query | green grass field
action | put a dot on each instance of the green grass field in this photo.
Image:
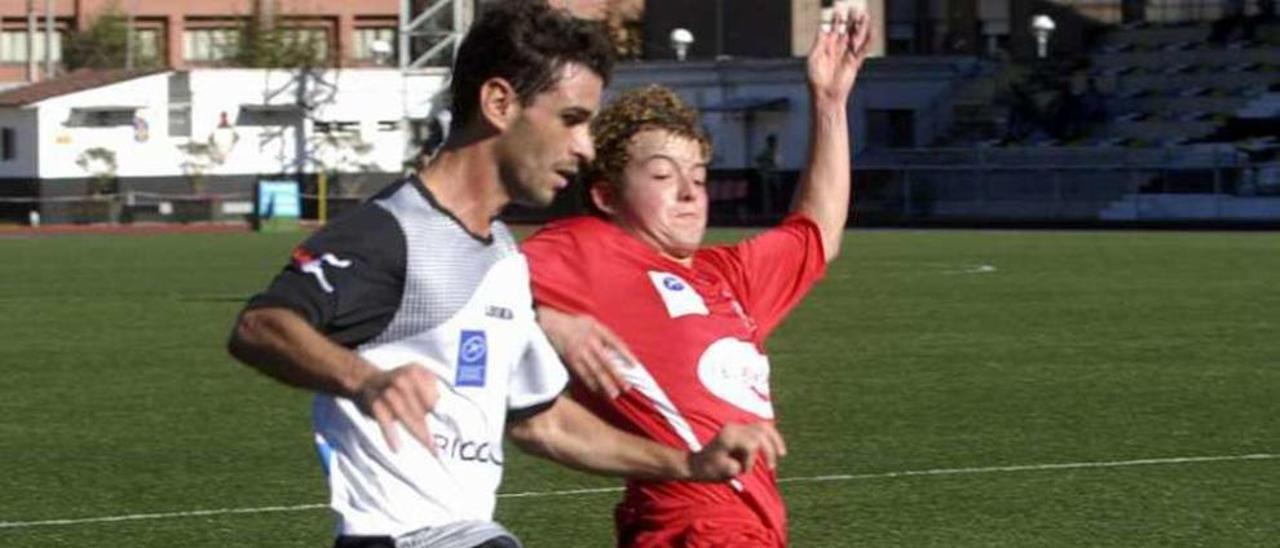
(927, 389)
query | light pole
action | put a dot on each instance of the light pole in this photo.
(681, 39)
(1042, 27)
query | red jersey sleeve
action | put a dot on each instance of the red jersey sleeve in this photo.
(772, 271)
(557, 272)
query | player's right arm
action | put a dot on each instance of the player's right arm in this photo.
(281, 344)
(569, 434)
(340, 289)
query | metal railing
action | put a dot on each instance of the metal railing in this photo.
(1054, 186)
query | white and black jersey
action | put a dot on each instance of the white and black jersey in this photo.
(399, 280)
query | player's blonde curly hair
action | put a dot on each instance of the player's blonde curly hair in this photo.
(634, 111)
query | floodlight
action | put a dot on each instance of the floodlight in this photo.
(681, 39)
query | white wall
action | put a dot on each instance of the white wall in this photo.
(60, 145)
(361, 96)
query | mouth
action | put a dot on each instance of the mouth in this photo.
(566, 176)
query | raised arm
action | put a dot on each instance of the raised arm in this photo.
(834, 62)
(281, 344)
(569, 434)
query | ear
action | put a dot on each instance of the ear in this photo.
(605, 197)
(499, 103)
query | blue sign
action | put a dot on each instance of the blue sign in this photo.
(473, 356)
(670, 282)
(279, 205)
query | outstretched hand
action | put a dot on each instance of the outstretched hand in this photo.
(593, 354)
(838, 53)
(734, 451)
(402, 395)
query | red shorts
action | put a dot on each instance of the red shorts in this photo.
(689, 526)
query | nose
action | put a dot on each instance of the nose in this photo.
(687, 188)
(581, 144)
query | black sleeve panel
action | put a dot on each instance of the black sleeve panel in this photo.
(518, 415)
(347, 279)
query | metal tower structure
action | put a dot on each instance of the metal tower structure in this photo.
(431, 30)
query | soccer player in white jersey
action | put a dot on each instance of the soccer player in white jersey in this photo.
(411, 317)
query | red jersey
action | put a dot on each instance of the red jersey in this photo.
(699, 335)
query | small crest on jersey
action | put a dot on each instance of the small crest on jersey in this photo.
(678, 296)
(473, 356)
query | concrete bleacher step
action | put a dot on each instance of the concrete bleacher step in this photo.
(1181, 207)
(1266, 105)
(1207, 56)
(1212, 105)
(1156, 34)
(1182, 81)
(1157, 131)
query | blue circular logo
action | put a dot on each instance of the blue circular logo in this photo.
(670, 282)
(473, 349)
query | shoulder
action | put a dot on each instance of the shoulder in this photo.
(575, 232)
(367, 222)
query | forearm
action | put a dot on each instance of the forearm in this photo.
(280, 344)
(570, 435)
(823, 194)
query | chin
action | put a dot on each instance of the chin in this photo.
(688, 248)
(534, 198)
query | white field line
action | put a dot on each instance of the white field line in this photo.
(570, 492)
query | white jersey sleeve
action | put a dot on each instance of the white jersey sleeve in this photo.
(538, 378)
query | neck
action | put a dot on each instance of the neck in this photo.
(465, 181)
(652, 243)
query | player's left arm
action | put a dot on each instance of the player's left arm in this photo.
(569, 434)
(834, 61)
(593, 353)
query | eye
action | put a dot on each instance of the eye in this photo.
(574, 118)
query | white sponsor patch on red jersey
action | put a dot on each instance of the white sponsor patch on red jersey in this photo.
(734, 371)
(679, 297)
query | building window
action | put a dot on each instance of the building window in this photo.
(13, 46)
(146, 45)
(216, 44)
(310, 39)
(365, 38)
(8, 143)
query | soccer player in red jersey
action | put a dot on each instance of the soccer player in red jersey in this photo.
(665, 338)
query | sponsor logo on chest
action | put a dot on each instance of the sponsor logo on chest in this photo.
(467, 450)
(734, 371)
(473, 358)
(680, 298)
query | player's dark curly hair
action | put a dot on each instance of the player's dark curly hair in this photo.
(525, 42)
(634, 111)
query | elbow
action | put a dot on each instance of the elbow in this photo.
(831, 247)
(530, 435)
(247, 335)
(536, 435)
(831, 252)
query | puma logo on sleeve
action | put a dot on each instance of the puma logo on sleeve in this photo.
(310, 264)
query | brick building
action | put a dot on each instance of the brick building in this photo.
(199, 33)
